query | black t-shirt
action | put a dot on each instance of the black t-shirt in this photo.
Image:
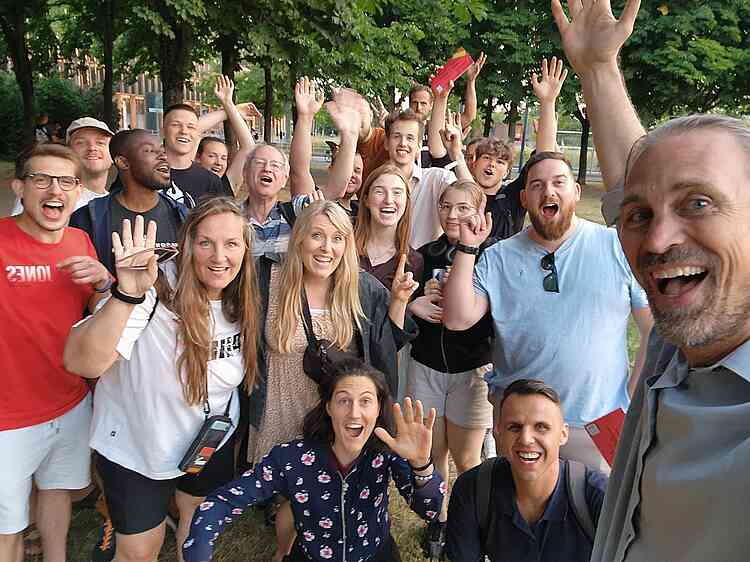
(556, 537)
(167, 225)
(507, 212)
(197, 182)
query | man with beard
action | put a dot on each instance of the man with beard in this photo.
(679, 487)
(143, 175)
(560, 293)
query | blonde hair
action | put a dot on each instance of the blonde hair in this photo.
(364, 218)
(470, 188)
(189, 301)
(343, 294)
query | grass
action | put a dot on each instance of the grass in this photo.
(249, 540)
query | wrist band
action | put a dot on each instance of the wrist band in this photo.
(125, 298)
(420, 468)
(473, 250)
(106, 287)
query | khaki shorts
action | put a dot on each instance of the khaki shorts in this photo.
(459, 397)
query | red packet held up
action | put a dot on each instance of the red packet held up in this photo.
(451, 70)
(605, 432)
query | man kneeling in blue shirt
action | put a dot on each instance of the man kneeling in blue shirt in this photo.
(531, 513)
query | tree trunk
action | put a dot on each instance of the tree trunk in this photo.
(108, 42)
(14, 31)
(489, 109)
(292, 85)
(175, 57)
(583, 158)
(268, 105)
(229, 63)
(512, 119)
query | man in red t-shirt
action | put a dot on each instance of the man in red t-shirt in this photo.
(50, 275)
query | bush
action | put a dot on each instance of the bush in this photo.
(57, 97)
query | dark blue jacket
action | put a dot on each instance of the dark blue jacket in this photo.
(96, 220)
(336, 517)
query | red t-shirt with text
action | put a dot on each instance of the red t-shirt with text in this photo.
(38, 306)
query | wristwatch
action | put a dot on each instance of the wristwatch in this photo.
(473, 250)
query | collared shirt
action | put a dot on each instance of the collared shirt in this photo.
(272, 236)
(557, 536)
(426, 186)
(679, 488)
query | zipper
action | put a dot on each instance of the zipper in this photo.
(344, 488)
(442, 348)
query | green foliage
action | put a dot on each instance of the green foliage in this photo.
(11, 116)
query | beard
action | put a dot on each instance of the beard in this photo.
(702, 324)
(555, 229)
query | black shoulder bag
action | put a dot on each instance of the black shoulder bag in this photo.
(210, 436)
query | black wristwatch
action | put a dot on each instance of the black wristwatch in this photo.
(473, 250)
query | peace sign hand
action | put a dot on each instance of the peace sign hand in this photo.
(135, 260)
(413, 440)
(403, 285)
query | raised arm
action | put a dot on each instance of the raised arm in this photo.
(344, 111)
(437, 122)
(92, 346)
(224, 91)
(462, 306)
(308, 101)
(546, 91)
(470, 95)
(592, 39)
(453, 141)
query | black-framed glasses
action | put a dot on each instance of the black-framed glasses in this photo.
(40, 180)
(550, 280)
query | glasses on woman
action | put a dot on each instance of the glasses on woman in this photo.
(40, 180)
(163, 255)
(550, 280)
(462, 209)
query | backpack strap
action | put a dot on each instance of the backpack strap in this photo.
(484, 486)
(575, 483)
(287, 211)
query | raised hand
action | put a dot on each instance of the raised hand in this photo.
(344, 110)
(307, 97)
(474, 70)
(475, 229)
(452, 135)
(593, 36)
(413, 440)
(84, 270)
(380, 110)
(248, 110)
(224, 89)
(548, 88)
(135, 260)
(403, 285)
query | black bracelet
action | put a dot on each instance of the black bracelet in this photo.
(473, 250)
(421, 468)
(115, 291)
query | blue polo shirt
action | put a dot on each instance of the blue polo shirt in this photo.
(556, 537)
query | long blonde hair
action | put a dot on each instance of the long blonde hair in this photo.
(364, 217)
(343, 294)
(189, 301)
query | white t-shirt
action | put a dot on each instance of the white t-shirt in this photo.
(82, 201)
(141, 420)
(426, 186)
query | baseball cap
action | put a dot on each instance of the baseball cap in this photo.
(86, 122)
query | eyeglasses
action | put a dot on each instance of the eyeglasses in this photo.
(461, 209)
(275, 165)
(40, 180)
(550, 281)
(163, 255)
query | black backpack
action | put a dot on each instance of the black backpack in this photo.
(575, 486)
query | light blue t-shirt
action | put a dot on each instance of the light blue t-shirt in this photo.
(574, 340)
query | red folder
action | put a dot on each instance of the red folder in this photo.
(605, 433)
(451, 70)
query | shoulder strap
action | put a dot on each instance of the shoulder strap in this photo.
(484, 485)
(287, 211)
(307, 322)
(576, 487)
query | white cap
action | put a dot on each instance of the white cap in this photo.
(84, 123)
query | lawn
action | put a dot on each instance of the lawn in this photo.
(248, 540)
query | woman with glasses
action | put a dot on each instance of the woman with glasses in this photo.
(384, 225)
(170, 347)
(350, 309)
(447, 368)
